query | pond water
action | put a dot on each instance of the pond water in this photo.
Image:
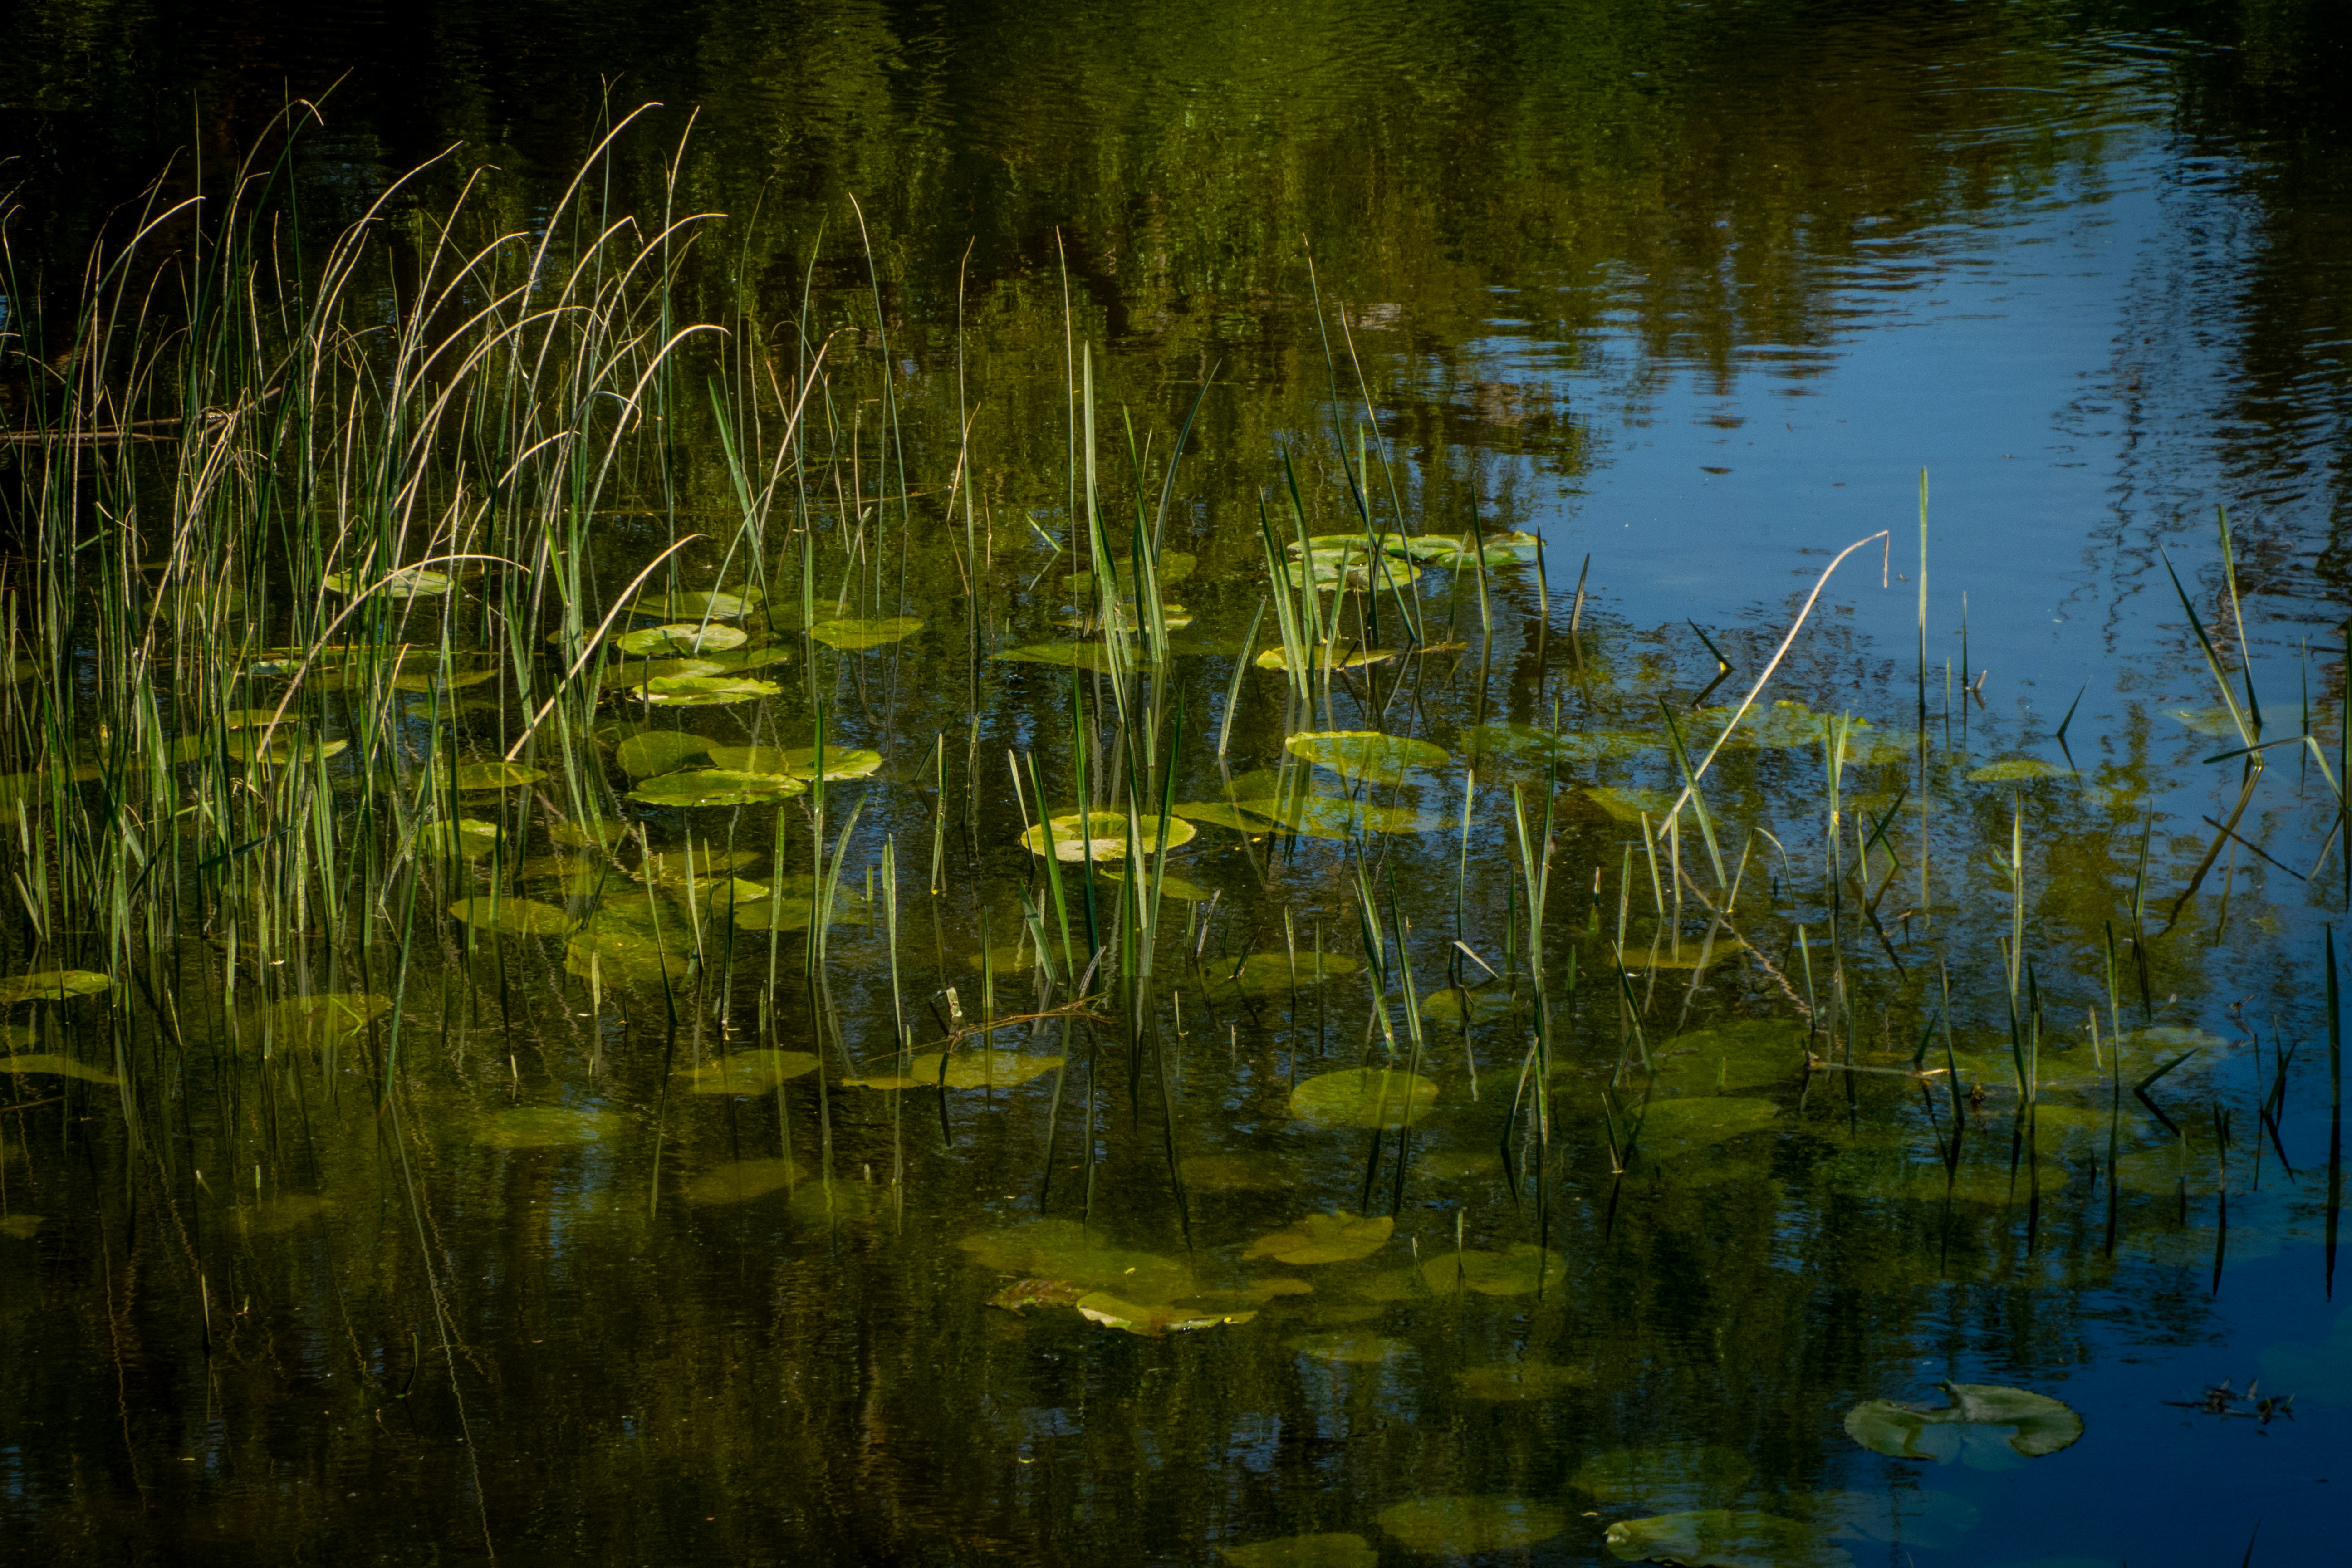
(990, 794)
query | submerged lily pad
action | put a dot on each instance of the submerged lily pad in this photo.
(1367, 754)
(407, 583)
(853, 634)
(1065, 1249)
(1070, 654)
(1723, 1538)
(966, 1070)
(681, 637)
(651, 752)
(797, 761)
(1324, 1238)
(787, 907)
(1023, 1294)
(615, 957)
(466, 837)
(52, 985)
(1628, 805)
(1520, 1270)
(1263, 974)
(1748, 1053)
(314, 1021)
(748, 1072)
(1519, 1381)
(1475, 1004)
(545, 1127)
(284, 746)
(1152, 1322)
(1335, 1551)
(1246, 1171)
(1168, 568)
(2015, 770)
(1363, 1097)
(717, 787)
(1465, 1526)
(515, 916)
(699, 605)
(740, 1181)
(1348, 1347)
(54, 1065)
(1985, 1427)
(1668, 1476)
(705, 691)
(1674, 1127)
(494, 775)
(1102, 836)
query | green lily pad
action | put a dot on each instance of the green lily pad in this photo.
(786, 907)
(1906, 1516)
(854, 634)
(52, 985)
(651, 752)
(54, 1065)
(1348, 1347)
(515, 916)
(1683, 1126)
(633, 675)
(1363, 1097)
(315, 1022)
(1069, 655)
(1777, 726)
(1169, 885)
(1261, 975)
(1023, 1294)
(965, 1069)
(466, 837)
(748, 1072)
(1324, 1238)
(717, 787)
(1723, 1538)
(494, 775)
(2015, 770)
(705, 691)
(681, 638)
(1336, 1551)
(696, 605)
(407, 583)
(1466, 1526)
(1151, 1321)
(1519, 1381)
(545, 1127)
(1367, 754)
(1749, 1053)
(284, 746)
(674, 868)
(1475, 1004)
(1065, 1249)
(1520, 1270)
(1171, 567)
(1628, 805)
(2214, 721)
(615, 957)
(1665, 1476)
(740, 1181)
(1102, 835)
(797, 761)
(580, 835)
(1985, 1427)
(1345, 656)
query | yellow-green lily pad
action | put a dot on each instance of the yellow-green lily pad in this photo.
(717, 787)
(515, 916)
(2015, 770)
(1367, 754)
(494, 775)
(54, 1065)
(52, 985)
(545, 1127)
(705, 691)
(1324, 1238)
(1467, 1526)
(1102, 836)
(1986, 1426)
(681, 637)
(651, 752)
(797, 761)
(1151, 1321)
(1520, 1270)
(740, 1181)
(1363, 1097)
(748, 1072)
(853, 634)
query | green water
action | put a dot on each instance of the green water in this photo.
(461, 1146)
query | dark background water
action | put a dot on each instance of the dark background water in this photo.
(1696, 290)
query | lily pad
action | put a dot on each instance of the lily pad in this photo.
(717, 787)
(1065, 1249)
(282, 747)
(1363, 1097)
(1324, 1238)
(786, 907)
(2015, 770)
(797, 761)
(466, 837)
(651, 752)
(1520, 1270)
(1749, 1053)
(1070, 654)
(1334, 1551)
(705, 691)
(1466, 1526)
(1676, 1127)
(407, 583)
(967, 1069)
(1519, 1381)
(633, 675)
(1986, 1426)
(580, 835)
(1264, 974)
(545, 1127)
(681, 637)
(494, 775)
(1345, 656)
(54, 1065)
(1367, 754)
(1628, 805)
(515, 916)
(317, 1021)
(1169, 568)
(1668, 1476)
(700, 604)
(1475, 1004)
(610, 957)
(1023, 1294)
(1102, 836)
(748, 1072)
(1723, 1538)
(853, 634)
(740, 1181)
(1151, 1321)
(52, 985)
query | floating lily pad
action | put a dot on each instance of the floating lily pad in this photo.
(673, 868)
(1070, 654)
(740, 1181)
(282, 747)
(966, 1070)
(797, 761)
(1676, 1127)
(466, 837)
(494, 775)
(651, 752)
(1152, 1322)
(2015, 770)
(748, 1072)
(1065, 1249)
(1748, 1053)
(1520, 1270)
(1169, 885)
(1904, 1516)
(1363, 1097)
(700, 605)
(1519, 1381)
(1023, 1294)
(1324, 1238)
(705, 691)
(633, 675)
(1102, 836)
(610, 957)
(717, 787)
(1366, 755)
(52, 985)
(1343, 657)
(545, 1127)
(1264, 974)
(515, 916)
(681, 637)
(54, 1065)
(1466, 1526)
(1337, 1551)
(853, 634)
(1723, 1538)
(1475, 1004)
(1986, 1426)
(1668, 1476)
(1348, 1347)
(407, 583)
